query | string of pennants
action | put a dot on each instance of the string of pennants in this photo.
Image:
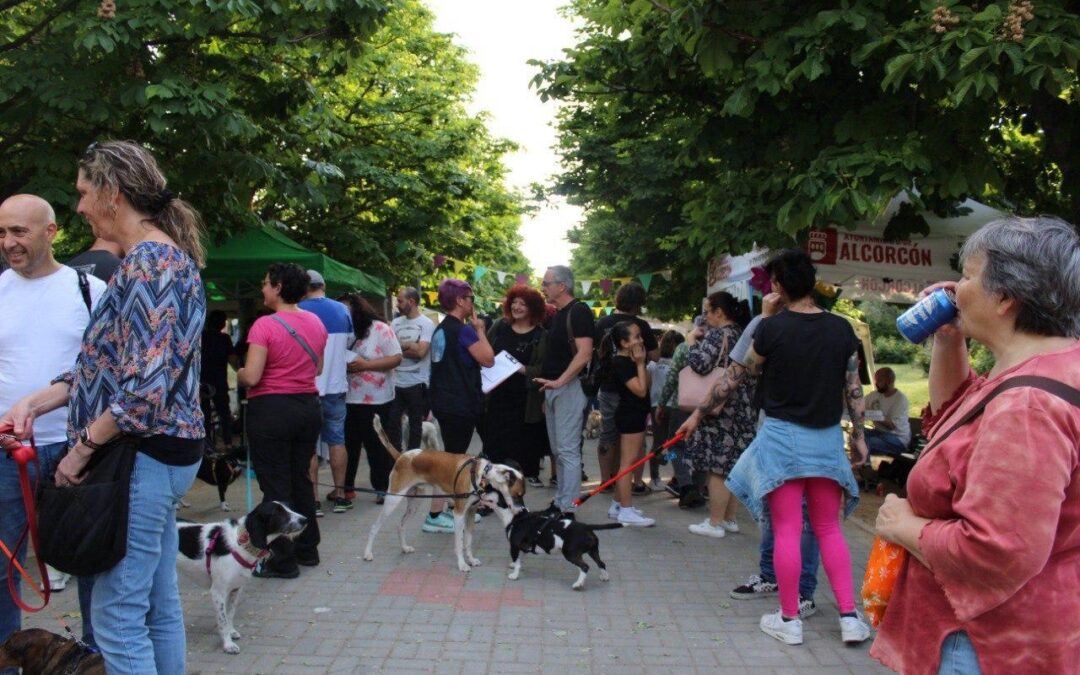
(605, 286)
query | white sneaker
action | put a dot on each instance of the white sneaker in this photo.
(853, 630)
(729, 525)
(613, 510)
(632, 518)
(788, 632)
(58, 580)
(707, 529)
(657, 485)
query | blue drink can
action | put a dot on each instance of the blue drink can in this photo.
(927, 315)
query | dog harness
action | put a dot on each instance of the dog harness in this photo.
(241, 537)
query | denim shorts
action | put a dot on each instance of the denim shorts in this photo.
(333, 419)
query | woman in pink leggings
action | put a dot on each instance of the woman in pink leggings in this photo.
(806, 357)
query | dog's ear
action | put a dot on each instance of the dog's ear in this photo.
(255, 522)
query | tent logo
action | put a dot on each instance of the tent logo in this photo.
(821, 246)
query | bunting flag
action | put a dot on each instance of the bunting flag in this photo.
(479, 273)
(501, 276)
(439, 260)
(623, 280)
(646, 279)
(666, 274)
(459, 265)
(585, 286)
(590, 303)
(609, 310)
(432, 297)
(522, 278)
(605, 286)
(597, 311)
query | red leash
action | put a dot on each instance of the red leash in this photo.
(600, 488)
(23, 455)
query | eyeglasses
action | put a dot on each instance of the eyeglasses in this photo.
(545, 284)
(471, 298)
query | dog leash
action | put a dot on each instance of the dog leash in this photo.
(600, 488)
(22, 455)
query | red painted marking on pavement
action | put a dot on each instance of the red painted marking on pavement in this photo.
(442, 585)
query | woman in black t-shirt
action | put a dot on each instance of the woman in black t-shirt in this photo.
(623, 353)
(514, 426)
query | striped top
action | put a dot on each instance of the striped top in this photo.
(142, 331)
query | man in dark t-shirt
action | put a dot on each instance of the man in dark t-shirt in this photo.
(101, 260)
(629, 301)
(568, 350)
(218, 352)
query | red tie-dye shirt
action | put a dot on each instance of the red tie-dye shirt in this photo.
(1003, 547)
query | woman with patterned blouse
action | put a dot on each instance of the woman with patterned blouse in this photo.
(371, 391)
(719, 440)
(142, 343)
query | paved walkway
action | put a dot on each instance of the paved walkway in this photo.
(665, 609)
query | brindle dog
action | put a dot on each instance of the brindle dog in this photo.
(39, 652)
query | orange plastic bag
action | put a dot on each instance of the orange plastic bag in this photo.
(882, 571)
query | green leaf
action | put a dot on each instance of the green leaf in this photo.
(968, 57)
(896, 68)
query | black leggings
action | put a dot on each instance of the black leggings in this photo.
(457, 432)
(359, 432)
(282, 432)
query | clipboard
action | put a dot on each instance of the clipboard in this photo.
(505, 365)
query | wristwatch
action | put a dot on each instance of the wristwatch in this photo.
(84, 438)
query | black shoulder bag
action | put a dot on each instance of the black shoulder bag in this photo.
(590, 375)
(83, 528)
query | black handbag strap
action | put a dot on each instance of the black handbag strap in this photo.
(1060, 389)
(299, 338)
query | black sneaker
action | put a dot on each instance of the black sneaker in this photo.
(341, 505)
(756, 587)
(640, 489)
(312, 561)
(672, 487)
(534, 482)
(318, 510)
(265, 572)
(690, 498)
(807, 608)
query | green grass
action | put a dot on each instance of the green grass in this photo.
(911, 380)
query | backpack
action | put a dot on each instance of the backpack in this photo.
(591, 375)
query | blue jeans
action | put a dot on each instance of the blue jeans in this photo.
(884, 443)
(138, 622)
(12, 522)
(810, 556)
(958, 656)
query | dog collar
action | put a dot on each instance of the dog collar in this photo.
(244, 540)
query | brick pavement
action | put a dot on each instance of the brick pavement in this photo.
(666, 606)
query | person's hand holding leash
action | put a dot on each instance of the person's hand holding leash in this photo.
(20, 417)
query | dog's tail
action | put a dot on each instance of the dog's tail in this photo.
(394, 452)
(605, 526)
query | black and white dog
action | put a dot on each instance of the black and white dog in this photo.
(556, 532)
(223, 555)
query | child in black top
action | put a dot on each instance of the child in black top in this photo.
(623, 351)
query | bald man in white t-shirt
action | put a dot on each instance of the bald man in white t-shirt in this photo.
(44, 310)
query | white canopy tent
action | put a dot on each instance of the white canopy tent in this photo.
(866, 266)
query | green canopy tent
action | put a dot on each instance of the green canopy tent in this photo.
(237, 267)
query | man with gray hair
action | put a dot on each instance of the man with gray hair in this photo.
(569, 349)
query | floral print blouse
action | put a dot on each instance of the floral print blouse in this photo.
(144, 328)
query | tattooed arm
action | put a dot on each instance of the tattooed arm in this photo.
(856, 407)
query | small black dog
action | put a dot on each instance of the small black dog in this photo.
(555, 532)
(220, 469)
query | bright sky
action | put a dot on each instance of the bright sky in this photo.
(501, 36)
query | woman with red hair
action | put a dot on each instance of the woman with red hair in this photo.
(514, 425)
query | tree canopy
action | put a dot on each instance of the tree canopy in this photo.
(342, 121)
(697, 127)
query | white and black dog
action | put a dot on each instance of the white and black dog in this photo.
(223, 555)
(556, 532)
